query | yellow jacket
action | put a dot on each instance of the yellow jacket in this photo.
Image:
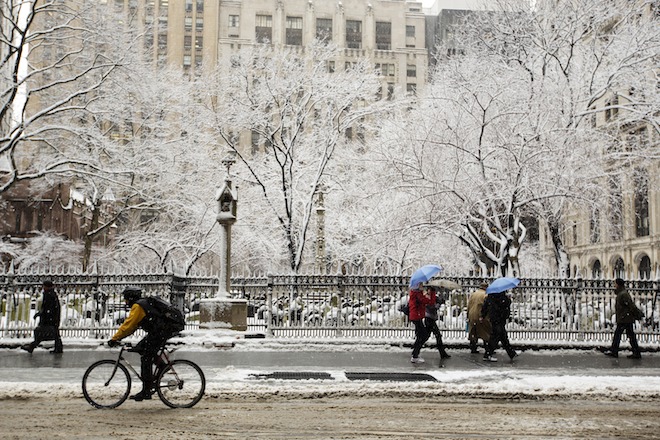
(135, 316)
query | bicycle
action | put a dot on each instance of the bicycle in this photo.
(180, 383)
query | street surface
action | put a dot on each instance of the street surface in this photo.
(346, 393)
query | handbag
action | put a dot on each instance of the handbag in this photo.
(45, 332)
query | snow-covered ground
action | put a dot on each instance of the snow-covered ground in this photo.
(462, 376)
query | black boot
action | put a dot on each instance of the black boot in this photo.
(142, 395)
(444, 354)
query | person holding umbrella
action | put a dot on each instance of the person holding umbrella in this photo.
(420, 297)
(497, 307)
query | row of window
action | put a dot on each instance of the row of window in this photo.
(619, 269)
(294, 31)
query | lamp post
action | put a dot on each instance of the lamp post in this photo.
(224, 311)
(226, 198)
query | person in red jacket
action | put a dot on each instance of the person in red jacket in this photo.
(419, 298)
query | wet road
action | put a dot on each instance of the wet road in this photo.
(42, 366)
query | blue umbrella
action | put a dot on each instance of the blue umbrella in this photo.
(424, 274)
(502, 284)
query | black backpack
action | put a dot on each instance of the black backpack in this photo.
(162, 316)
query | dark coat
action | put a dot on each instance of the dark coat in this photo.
(626, 310)
(497, 307)
(49, 312)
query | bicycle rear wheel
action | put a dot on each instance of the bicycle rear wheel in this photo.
(181, 384)
(104, 387)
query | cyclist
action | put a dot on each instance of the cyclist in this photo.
(143, 316)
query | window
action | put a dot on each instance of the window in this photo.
(256, 139)
(233, 21)
(263, 28)
(189, 4)
(390, 91)
(383, 35)
(187, 24)
(162, 41)
(641, 201)
(187, 60)
(294, 31)
(200, 5)
(612, 110)
(645, 268)
(619, 268)
(354, 34)
(575, 234)
(324, 29)
(411, 71)
(199, 24)
(411, 88)
(386, 69)
(187, 42)
(596, 270)
(331, 67)
(199, 43)
(410, 31)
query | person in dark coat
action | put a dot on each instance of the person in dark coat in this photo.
(431, 324)
(417, 302)
(49, 320)
(497, 307)
(626, 315)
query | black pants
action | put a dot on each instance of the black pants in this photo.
(499, 335)
(148, 348)
(432, 328)
(47, 333)
(628, 328)
(421, 336)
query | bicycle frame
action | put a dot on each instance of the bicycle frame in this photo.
(161, 355)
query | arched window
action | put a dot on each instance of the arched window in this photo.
(645, 268)
(619, 268)
(596, 270)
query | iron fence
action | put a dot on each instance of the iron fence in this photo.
(315, 306)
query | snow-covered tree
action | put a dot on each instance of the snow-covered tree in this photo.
(295, 114)
(505, 134)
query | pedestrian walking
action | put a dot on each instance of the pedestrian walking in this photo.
(626, 315)
(478, 329)
(431, 324)
(418, 299)
(497, 307)
(49, 320)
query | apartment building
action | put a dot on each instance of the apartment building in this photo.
(197, 34)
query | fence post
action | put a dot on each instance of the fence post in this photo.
(178, 288)
(269, 306)
(578, 306)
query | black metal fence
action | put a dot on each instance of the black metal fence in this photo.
(328, 306)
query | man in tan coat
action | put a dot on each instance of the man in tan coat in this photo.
(478, 329)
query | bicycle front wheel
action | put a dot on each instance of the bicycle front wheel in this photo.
(181, 384)
(105, 386)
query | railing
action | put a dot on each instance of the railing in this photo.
(322, 306)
